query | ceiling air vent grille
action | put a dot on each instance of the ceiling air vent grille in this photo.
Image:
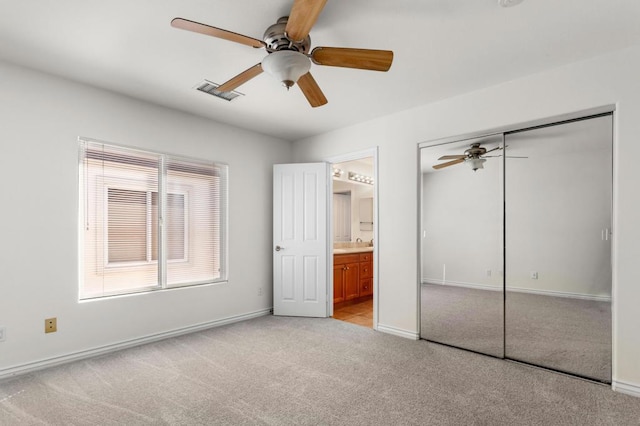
(211, 88)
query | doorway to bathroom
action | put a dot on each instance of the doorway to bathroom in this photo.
(353, 229)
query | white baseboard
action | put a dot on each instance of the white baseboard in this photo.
(626, 388)
(76, 356)
(560, 294)
(398, 332)
(520, 290)
(462, 284)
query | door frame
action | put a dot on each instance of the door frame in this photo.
(358, 155)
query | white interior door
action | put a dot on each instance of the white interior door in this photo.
(300, 239)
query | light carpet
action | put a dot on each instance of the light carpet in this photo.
(304, 371)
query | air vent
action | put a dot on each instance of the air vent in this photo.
(211, 88)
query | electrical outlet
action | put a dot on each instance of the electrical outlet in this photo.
(3, 334)
(488, 272)
(534, 275)
(50, 325)
(260, 291)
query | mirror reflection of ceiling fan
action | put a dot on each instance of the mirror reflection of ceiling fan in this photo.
(287, 43)
(474, 156)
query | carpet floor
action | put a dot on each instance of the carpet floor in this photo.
(564, 334)
(464, 317)
(304, 371)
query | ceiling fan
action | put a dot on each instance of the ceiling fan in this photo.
(287, 43)
(474, 156)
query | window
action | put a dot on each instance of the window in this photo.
(131, 234)
(149, 220)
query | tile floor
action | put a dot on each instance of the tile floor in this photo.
(360, 313)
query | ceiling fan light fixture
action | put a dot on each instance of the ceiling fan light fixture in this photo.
(287, 66)
(476, 163)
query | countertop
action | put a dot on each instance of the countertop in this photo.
(352, 250)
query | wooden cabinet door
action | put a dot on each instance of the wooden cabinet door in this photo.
(351, 281)
(338, 283)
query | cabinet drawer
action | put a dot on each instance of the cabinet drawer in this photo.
(366, 269)
(366, 287)
(341, 259)
(365, 257)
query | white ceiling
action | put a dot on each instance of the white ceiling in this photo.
(442, 48)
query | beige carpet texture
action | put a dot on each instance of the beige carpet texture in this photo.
(303, 371)
(565, 334)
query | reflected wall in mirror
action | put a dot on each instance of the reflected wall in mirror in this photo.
(558, 248)
(461, 245)
(351, 191)
(342, 216)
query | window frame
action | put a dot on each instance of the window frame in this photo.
(165, 186)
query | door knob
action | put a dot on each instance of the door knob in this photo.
(278, 248)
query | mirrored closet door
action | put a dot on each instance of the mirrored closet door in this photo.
(515, 245)
(461, 266)
(558, 191)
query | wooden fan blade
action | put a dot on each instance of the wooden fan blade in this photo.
(196, 27)
(452, 157)
(311, 90)
(303, 15)
(241, 78)
(449, 163)
(365, 59)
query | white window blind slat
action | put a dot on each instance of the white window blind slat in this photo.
(134, 212)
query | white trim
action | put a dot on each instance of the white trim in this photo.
(101, 350)
(561, 294)
(626, 388)
(398, 332)
(554, 293)
(436, 281)
(575, 115)
(359, 155)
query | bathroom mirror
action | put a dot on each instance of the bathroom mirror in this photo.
(462, 244)
(366, 214)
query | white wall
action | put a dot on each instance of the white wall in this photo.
(41, 118)
(609, 79)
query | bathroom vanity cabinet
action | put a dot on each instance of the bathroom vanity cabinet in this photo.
(352, 276)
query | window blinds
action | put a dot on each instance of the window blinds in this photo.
(150, 220)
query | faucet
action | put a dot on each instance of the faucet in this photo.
(358, 240)
(371, 242)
